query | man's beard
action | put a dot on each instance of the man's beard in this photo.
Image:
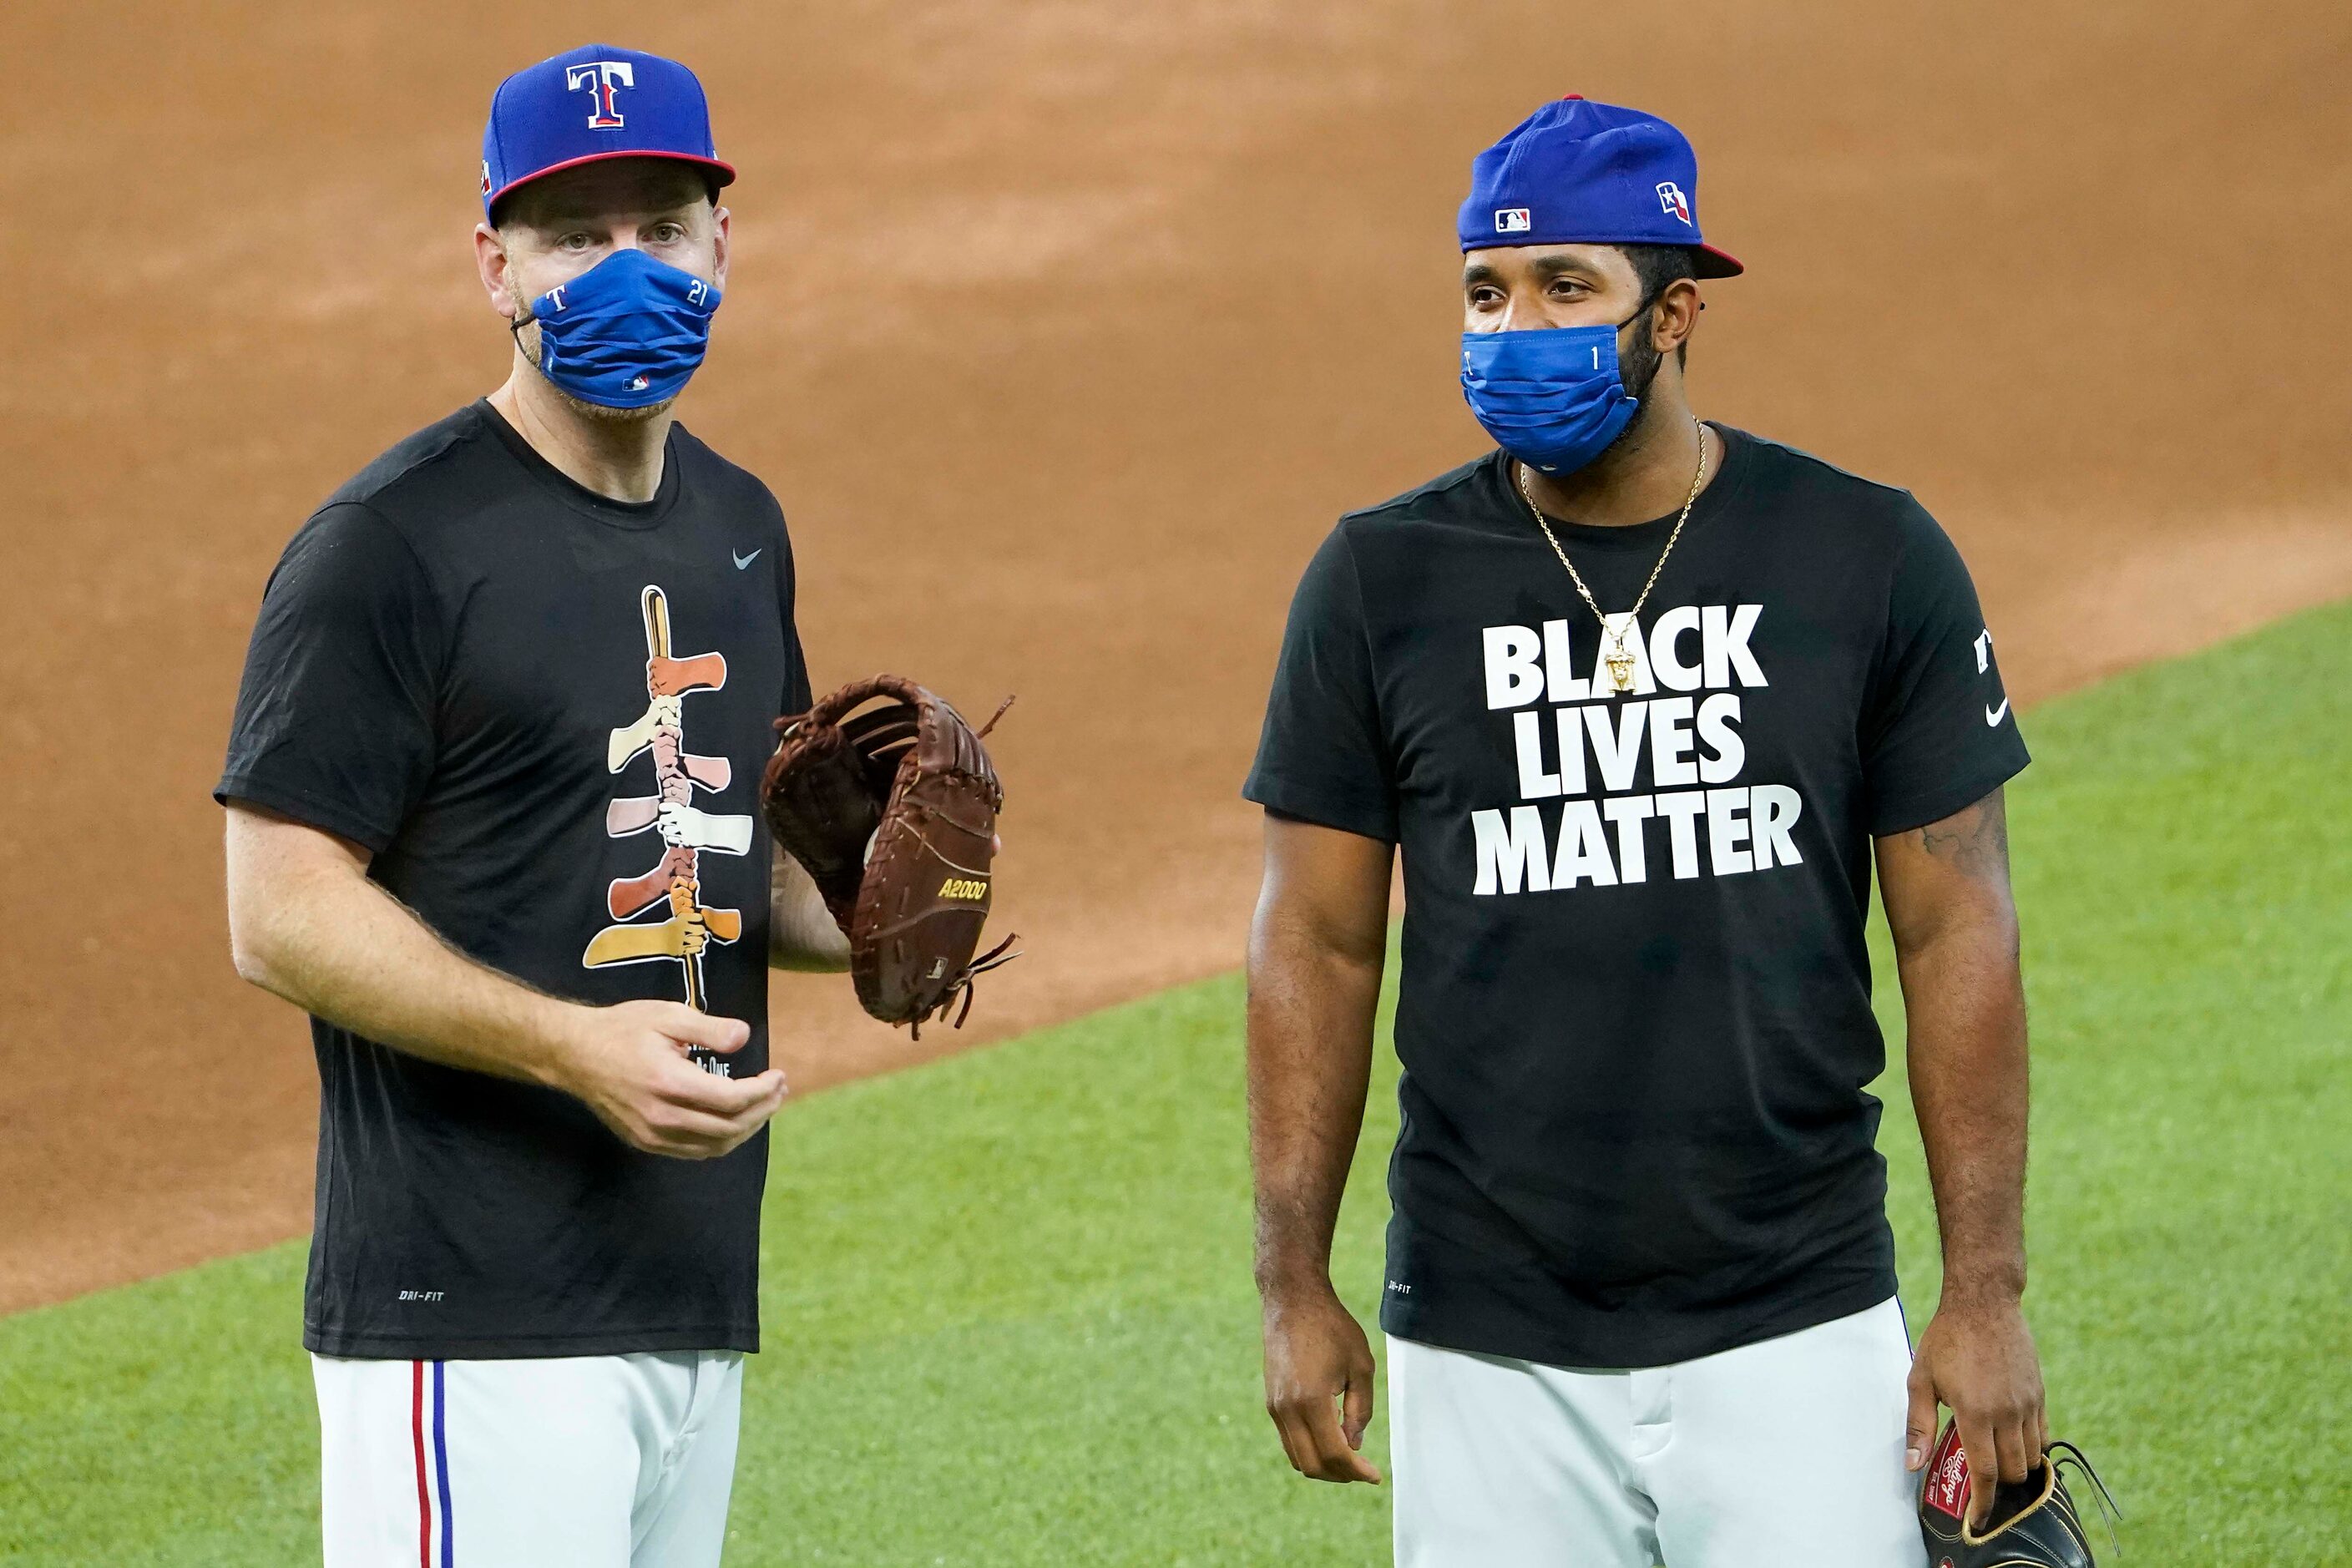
(527, 338)
(1639, 367)
(1636, 368)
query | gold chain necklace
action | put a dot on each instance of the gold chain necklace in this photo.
(1620, 662)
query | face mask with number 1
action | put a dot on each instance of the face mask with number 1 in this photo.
(625, 333)
(1551, 396)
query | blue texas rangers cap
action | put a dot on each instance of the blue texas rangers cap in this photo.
(1580, 173)
(590, 103)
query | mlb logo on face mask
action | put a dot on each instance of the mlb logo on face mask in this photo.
(1670, 199)
(1512, 220)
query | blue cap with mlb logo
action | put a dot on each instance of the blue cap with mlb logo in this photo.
(1580, 173)
(591, 103)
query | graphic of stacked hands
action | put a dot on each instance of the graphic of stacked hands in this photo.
(685, 926)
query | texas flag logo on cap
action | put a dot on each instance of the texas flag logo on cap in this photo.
(1671, 200)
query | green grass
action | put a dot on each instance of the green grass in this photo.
(1008, 1312)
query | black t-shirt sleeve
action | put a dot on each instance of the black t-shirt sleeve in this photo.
(334, 721)
(1938, 734)
(1321, 755)
(796, 697)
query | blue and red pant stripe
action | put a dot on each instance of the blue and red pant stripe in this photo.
(431, 1463)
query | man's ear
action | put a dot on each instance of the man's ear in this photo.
(1676, 316)
(495, 267)
(720, 218)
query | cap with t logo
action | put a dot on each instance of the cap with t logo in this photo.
(1580, 173)
(592, 103)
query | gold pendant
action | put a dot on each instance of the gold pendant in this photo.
(1621, 670)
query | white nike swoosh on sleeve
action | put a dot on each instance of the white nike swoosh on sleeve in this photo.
(1994, 715)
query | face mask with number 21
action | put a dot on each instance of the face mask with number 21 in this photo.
(626, 333)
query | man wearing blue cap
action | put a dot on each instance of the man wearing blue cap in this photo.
(491, 822)
(1640, 700)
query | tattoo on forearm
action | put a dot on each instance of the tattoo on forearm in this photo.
(1975, 842)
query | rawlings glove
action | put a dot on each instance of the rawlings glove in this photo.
(887, 798)
(2032, 1524)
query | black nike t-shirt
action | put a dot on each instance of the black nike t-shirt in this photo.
(545, 714)
(1634, 1014)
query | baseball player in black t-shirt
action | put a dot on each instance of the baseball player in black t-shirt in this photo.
(1639, 699)
(492, 822)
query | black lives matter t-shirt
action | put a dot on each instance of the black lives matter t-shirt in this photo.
(545, 713)
(1634, 1014)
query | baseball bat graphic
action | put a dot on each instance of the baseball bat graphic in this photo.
(685, 830)
(684, 877)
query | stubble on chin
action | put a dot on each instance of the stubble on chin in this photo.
(527, 339)
(598, 414)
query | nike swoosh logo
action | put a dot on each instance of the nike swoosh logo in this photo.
(1994, 715)
(743, 561)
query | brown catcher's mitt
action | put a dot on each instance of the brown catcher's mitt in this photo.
(887, 798)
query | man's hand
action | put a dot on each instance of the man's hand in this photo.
(628, 1063)
(1318, 1385)
(1978, 1358)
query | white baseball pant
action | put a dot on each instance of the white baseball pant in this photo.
(620, 1461)
(1775, 1454)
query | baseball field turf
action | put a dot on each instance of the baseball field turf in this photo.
(1009, 1318)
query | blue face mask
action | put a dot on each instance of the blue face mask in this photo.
(1550, 397)
(626, 333)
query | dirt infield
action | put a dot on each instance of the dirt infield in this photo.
(1107, 311)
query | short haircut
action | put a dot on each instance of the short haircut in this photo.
(1654, 267)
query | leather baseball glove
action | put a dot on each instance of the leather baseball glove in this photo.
(2032, 1524)
(887, 798)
